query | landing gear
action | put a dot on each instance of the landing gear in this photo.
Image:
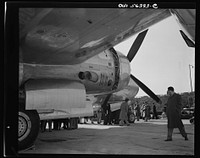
(28, 128)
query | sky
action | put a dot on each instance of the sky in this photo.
(163, 59)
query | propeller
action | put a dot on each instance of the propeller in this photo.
(131, 54)
(136, 45)
(146, 89)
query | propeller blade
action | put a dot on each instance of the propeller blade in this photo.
(188, 41)
(136, 45)
(146, 90)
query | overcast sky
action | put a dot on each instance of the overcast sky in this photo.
(163, 59)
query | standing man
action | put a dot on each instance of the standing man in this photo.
(109, 114)
(155, 116)
(107, 119)
(147, 112)
(124, 113)
(143, 110)
(173, 112)
(43, 125)
(137, 108)
(99, 114)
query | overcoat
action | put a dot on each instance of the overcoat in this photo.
(124, 111)
(147, 111)
(173, 111)
(137, 110)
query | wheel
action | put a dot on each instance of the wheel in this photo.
(192, 120)
(28, 128)
(131, 118)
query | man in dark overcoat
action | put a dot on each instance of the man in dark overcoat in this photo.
(107, 114)
(99, 115)
(155, 116)
(173, 112)
(124, 113)
(147, 112)
(137, 108)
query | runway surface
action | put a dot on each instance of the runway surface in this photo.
(140, 138)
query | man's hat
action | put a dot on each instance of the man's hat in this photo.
(170, 88)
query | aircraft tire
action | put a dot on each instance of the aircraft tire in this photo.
(131, 118)
(192, 120)
(28, 128)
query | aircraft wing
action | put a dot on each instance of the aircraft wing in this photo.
(63, 36)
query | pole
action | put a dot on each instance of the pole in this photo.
(190, 78)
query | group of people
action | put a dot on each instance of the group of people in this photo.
(121, 116)
(115, 117)
(145, 111)
(109, 118)
(173, 112)
(104, 113)
(58, 124)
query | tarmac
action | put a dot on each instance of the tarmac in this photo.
(140, 138)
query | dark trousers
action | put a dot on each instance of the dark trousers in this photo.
(44, 123)
(138, 115)
(155, 116)
(181, 129)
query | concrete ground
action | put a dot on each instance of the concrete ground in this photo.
(140, 138)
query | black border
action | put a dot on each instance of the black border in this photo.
(11, 61)
(81, 4)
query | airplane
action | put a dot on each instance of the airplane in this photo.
(66, 56)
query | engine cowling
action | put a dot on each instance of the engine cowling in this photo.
(125, 70)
